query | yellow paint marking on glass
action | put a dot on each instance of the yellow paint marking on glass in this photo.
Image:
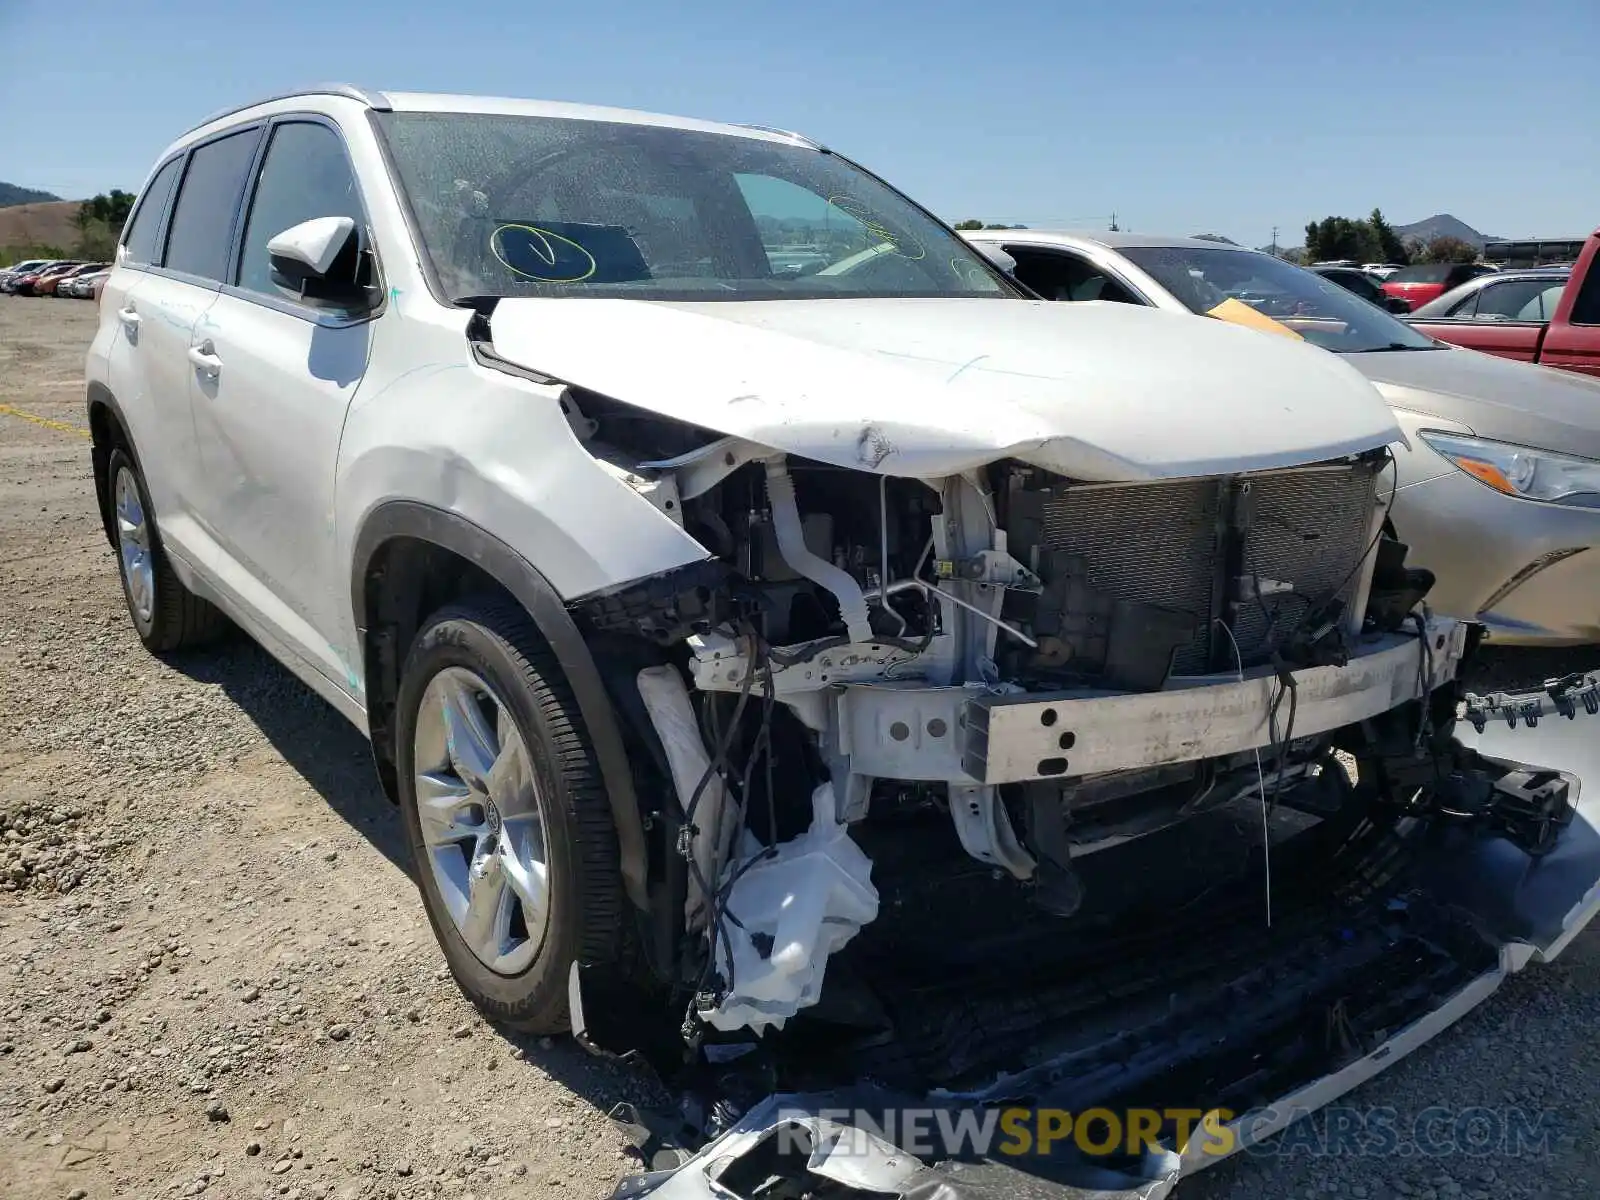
(547, 252)
(1236, 312)
(860, 213)
(7, 410)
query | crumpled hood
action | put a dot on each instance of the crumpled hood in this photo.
(927, 388)
(1494, 397)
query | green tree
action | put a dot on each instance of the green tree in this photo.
(1390, 248)
(99, 221)
(1449, 250)
(969, 224)
(1340, 237)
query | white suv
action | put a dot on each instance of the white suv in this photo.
(734, 570)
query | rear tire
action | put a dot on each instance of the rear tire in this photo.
(166, 615)
(499, 790)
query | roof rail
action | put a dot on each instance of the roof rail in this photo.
(799, 137)
(372, 99)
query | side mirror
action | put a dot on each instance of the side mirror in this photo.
(320, 260)
(996, 256)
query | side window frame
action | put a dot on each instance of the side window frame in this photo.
(211, 285)
(1086, 259)
(1586, 304)
(159, 241)
(315, 314)
(1466, 309)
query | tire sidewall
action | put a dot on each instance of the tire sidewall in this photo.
(119, 460)
(540, 989)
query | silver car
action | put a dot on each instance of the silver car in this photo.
(1499, 490)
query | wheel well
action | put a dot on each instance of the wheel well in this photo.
(107, 434)
(406, 580)
(408, 559)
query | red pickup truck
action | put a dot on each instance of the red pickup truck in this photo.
(1551, 323)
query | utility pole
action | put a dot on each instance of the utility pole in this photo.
(1274, 241)
(1114, 226)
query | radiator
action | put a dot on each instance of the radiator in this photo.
(1162, 544)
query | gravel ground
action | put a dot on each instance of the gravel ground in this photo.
(217, 977)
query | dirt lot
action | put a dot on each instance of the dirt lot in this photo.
(217, 977)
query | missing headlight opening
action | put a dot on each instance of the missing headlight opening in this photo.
(960, 783)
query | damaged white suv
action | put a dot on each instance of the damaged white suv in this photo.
(793, 646)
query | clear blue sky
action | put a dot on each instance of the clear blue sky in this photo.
(1181, 117)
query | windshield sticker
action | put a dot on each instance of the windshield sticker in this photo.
(903, 244)
(545, 256)
(1236, 312)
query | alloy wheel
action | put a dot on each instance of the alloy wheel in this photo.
(482, 822)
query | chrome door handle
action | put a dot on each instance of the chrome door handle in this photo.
(205, 360)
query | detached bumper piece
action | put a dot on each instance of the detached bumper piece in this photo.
(1208, 1009)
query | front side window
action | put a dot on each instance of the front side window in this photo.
(305, 174)
(139, 239)
(202, 220)
(1316, 309)
(548, 206)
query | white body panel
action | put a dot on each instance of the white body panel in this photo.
(154, 394)
(928, 388)
(267, 427)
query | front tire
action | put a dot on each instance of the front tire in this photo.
(166, 615)
(508, 822)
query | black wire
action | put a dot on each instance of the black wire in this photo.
(720, 916)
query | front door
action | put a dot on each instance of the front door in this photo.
(270, 403)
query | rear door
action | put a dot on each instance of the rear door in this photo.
(164, 311)
(114, 358)
(1573, 342)
(269, 409)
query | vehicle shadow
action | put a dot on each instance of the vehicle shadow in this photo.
(313, 738)
(333, 757)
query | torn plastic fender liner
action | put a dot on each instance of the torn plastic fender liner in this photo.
(795, 906)
(1529, 908)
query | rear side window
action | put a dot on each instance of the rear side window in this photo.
(1506, 301)
(202, 220)
(1543, 306)
(139, 240)
(305, 175)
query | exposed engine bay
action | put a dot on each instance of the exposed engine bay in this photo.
(1003, 786)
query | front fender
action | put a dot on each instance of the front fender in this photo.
(449, 531)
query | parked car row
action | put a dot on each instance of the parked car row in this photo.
(1416, 285)
(1363, 283)
(1545, 315)
(1485, 437)
(55, 277)
(782, 655)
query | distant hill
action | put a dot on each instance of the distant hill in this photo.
(1425, 230)
(47, 224)
(1443, 225)
(11, 194)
